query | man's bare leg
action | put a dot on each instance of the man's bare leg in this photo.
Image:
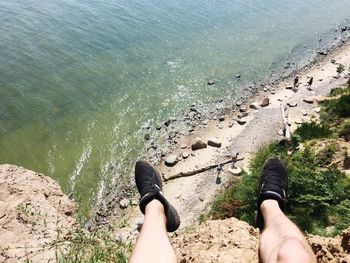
(281, 241)
(153, 244)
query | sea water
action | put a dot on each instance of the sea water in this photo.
(80, 78)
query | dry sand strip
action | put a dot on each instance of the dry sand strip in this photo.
(191, 195)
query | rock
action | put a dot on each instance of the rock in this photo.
(280, 132)
(158, 127)
(265, 89)
(185, 155)
(322, 53)
(254, 105)
(241, 122)
(198, 144)
(193, 109)
(134, 202)
(344, 28)
(309, 100)
(211, 82)
(124, 203)
(305, 113)
(242, 115)
(292, 104)
(220, 126)
(238, 76)
(333, 61)
(183, 145)
(298, 121)
(167, 123)
(147, 136)
(320, 98)
(171, 160)
(273, 91)
(205, 122)
(221, 118)
(239, 103)
(243, 108)
(265, 102)
(230, 124)
(235, 170)
(214, 142)
(317, 110)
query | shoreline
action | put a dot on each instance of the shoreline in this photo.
(192, 195)
(182, 128)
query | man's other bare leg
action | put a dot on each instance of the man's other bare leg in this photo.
(281, 240)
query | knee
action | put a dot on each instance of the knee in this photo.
(293, 250)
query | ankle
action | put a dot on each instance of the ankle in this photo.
(269, 205)
(155, 206)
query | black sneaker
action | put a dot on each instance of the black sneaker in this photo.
(273, 185)
(149, 184)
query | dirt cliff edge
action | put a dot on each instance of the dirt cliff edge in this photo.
(33, 213)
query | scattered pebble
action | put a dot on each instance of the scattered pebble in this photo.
(124, 203)
(211, 82)
(292, 104)
(185, 155)
(241, 122)
(171, 160)
(254, 105)
(214, 142)
(317, 110)
(235, 170)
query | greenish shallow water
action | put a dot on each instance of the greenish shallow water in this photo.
(78, 79)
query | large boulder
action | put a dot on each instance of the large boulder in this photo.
(265, 102)
(198, 144)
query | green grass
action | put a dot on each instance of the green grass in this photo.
(336, 109)
(92, 247)
(344, 131)
(312, 130)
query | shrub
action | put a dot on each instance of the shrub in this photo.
(325, 155)
(339, 91)
(317, 198)
(312, 130)
(340, 68)
(338, 107)
(346, 162)
(344, 131)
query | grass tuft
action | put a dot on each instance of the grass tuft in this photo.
(312, 130)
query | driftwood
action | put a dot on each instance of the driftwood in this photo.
(285, 123)
(200, 170)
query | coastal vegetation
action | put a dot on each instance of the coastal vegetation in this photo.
(319, 190)
(93, 247)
